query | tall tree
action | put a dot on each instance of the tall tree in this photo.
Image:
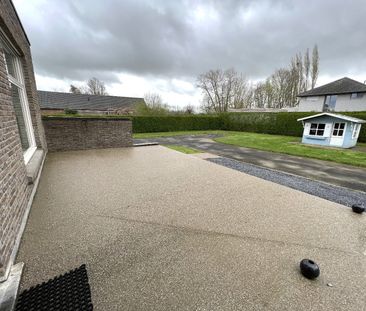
(306, 69)
(314, 66)
(74, 89)
(152, 105)
(222, 89)
(95, 87)
(228, 89)
(153, 100)
(241, 92)
(189, 109)
(92, 87)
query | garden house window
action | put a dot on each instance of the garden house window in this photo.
(19, 99)
(338, 129)
(317, 129)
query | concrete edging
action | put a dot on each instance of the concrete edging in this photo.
(23, 224)
(9, 289)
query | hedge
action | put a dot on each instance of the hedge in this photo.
(148, 124)
(279, 123)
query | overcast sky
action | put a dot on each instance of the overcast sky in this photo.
(139, 46)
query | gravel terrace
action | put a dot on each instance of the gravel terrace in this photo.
(326, 191)
(324, 171)
(161, 230)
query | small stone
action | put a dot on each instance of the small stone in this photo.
(330, 284)
(309, 269)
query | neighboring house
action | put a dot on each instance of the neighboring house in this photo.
(22, 142)
(329, 129)
(341, 95)
(57, 102)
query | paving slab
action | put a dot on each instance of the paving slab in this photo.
(161, 230)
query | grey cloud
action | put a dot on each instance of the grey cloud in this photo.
(80, 39)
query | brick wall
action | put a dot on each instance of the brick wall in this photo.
(14, 189)
(79, 133)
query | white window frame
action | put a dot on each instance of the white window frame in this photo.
(317, 129)
(18, 81)
(356, 130)
(339, 129)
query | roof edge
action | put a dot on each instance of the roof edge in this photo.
(325, 93)
(303, 94)
(334, 115)
(20, 22)
(72, 117)
(68, 93)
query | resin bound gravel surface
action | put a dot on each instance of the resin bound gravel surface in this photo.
(162, 230)
(323, 190)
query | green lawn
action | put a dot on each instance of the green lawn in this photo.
(291, 145)
(183, 149)
(275, 143)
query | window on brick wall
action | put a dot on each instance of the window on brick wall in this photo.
(19, 98)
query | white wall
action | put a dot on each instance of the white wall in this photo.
(345, 103)
(313, 103)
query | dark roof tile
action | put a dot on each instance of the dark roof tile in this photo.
(341, 86)
(58, 100)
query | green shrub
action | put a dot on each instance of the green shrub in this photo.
(70, 111)
(148, 124)
(279, 123)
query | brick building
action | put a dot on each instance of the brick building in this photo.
(22, 141)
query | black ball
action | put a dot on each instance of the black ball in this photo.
(358, 208)
(309, 269)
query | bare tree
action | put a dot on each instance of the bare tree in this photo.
(241, 92)
(280, 81)
(92, 87)
(314, 66)
(74, 89)
(296, 79)
(222, 89)
(153, 100)
(211, 84)
(95, 87)
(152, 105)
(228, 89)
(189, 109)
(288, 82)
(306, 69)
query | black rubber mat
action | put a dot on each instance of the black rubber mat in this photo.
(70, 291)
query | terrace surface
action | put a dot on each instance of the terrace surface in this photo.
(160, 230)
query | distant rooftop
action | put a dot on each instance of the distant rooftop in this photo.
(58, 100)
(341, 86)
